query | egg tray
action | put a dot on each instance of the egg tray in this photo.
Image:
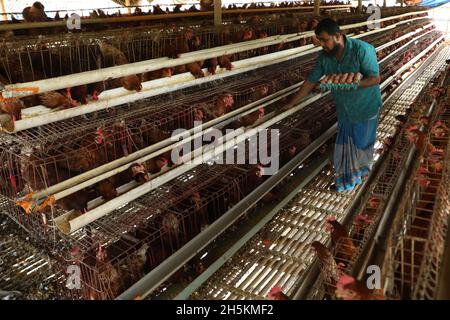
(338, 86)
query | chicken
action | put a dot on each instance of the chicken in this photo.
(111, 56)
(33, 175)
(35, 13)
(254, 177)
(170, 51)
(135, 262)
(171, 229)
(158, 74)
(56, 99)
(263, 50)
(156, 254)
(13, 107)
(94, 89)
(419, 139)
(220, 107)
(439, 129)
(348, 288)
(195, 69)
(225, 62)
(286, 156)
(182, 42)
(211, 65)
(177, 9)
(259, 93)
(156, 164)
(195, 43)
(77, 201)
(79, 93)
(157, 10)
(199, 217)
(277, 294)
(110, 285)
(106, 189)
(345, 248)
(248, 119)
(244, 35)
(131, 82)
(362, 221)
(206, 5)
(436, 92)
(152, 134)
(329, 270)
(401, 118)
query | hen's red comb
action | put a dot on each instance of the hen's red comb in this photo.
(276, 289)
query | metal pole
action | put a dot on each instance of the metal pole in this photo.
(374, 253)
(128, 3)
(264, 217)
(217, 13)
(4, 16)
(360, 266)
(316, 8)
(359, 6)
(152, 280)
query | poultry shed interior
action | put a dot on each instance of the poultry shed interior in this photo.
(147, 152)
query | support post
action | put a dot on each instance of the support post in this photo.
(217, 13)
(4, 16)
(316, 8)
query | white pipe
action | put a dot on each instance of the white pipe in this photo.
(420, 55)
(133, 194)
(157, 87)
(408, 64)
(206, 14)
(165, 85)
(76, 184)
(195, 135)
(97, 174)
(73, 80)
(405, 36)
(406, 44)
(139, 191)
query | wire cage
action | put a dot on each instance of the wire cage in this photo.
(24, 60)
(108, 230)
(347, 250)
(417, 241)
(26, 270)
(152, 230)
(35, 159)
(280, 253)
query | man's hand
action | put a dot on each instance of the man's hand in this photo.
(302, 93)
(370, 81)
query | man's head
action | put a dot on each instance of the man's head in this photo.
(330, 36)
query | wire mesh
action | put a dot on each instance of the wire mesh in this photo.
(218, 287)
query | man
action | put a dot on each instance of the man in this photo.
(357, 109)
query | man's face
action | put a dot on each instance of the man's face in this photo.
(330, 44)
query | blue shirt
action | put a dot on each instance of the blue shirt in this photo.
(359, 56)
